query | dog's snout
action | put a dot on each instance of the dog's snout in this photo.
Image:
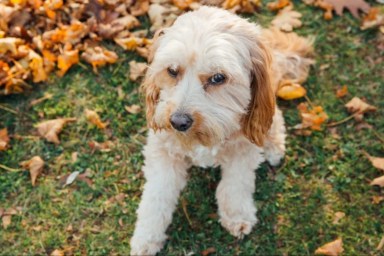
(181, 121)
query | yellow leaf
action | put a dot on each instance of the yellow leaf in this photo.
(4, 139)
(19, 2)
(66, 60)
(99, 57)
(291, 91)
(51, 128)
(35, 166)
(378, 181)
(94, 118)
(331, 249)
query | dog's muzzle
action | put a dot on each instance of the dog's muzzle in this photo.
(181, 121)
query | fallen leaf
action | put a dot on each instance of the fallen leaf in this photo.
(162, 16)
(103, 147)
(331, 249)
(353, 6)
(133, 109)
(312, 117)
(137, 69)
(374, 18)
(208, 251)
(57, 252)
(377, 199)
(359, 107)
(10, 44)
(243, 6)
(290, 91)
(279, 4)
(342, 92)
(6, 220)
(35, 166)
(98, 57)
(71, 178)
(4, 139)
(377, 162)
(132, 42)
(378, 181)
(381, 244)
(287, 19)
(50, 129)
(66, 60)
(94, 118)
(337, 217)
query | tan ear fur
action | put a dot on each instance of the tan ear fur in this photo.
(262, 106)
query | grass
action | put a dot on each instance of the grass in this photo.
(296, 202)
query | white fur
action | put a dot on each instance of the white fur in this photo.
(199, 44)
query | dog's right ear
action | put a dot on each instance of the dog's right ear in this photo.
(155, 44)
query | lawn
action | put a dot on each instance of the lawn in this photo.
(322, 174)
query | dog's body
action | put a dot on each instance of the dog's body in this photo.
(210, 95)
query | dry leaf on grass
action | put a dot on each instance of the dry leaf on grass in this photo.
(359, 107)
(331, 249)
(98, 57)
(50, 129)
(377, 162)
(6, 220)
(279, 4)
(94, 118)
(66, 60)
(337, 217)
(381, 244)
(137, 69)
(353, 6)
(373, 19)
(377, 199)
(4, 139)
(287, 19)
(342, 92)
(242, 6)
(35, 166)
(378, 181)
(57, 252)
(102, 146)
(133, 109)
(208, 251)
(290, 91)
(311, 117)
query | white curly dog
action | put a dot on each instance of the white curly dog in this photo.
(210, 97)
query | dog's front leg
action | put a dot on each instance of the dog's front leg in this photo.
(166, 176)
(234, 193)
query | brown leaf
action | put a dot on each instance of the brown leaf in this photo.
(331, 249)
(6, 220)
(359, 107)
(377, 162)
(243, 6)
(98, 57)
(290, 91)
(381, 244)
(341, 92)
(102, 146)
(337, 217)
(208, 251)
(94, 118)
(133, 109)
(57, 252)
(374, 18)
(66, 60)
(353, 6)
(377, 199)
(50, 129)
(139, 8)
(137, 69)
(35, 166)
(378, 181)
(4, 139)
(287, 19)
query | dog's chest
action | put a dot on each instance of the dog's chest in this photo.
(203, 156)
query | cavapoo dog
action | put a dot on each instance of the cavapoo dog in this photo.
(210, 101)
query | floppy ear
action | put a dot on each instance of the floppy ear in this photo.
(261, 108)
(155, 44)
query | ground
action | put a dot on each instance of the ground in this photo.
(322, 173)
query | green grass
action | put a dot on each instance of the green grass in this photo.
(322, 173)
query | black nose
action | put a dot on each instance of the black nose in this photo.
(181, 121)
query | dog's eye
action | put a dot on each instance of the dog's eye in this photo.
(173, 71)
(217, 79)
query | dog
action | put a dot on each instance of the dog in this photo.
(210, 101)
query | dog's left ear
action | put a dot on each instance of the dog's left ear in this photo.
(261, 108)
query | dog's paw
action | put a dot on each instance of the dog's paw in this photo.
(239, 227)
(141, 246)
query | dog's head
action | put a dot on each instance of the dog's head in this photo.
(209, 78)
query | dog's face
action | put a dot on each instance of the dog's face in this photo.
(209, 78)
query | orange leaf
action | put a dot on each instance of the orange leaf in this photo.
(66, 60)
(94, 118)
(51, 128)
(331, 249)
(342, 92)
(311, 118)
(291, 91)
(4, 139)
(99, 57)
(35, 166)
(279, 4)
(182, 4)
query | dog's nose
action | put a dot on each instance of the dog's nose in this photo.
(181, 121)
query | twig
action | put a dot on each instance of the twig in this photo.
(309, 101)
(9, 168)
(343, 120)
(8, 109)
(378, 135)
(184, 206)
